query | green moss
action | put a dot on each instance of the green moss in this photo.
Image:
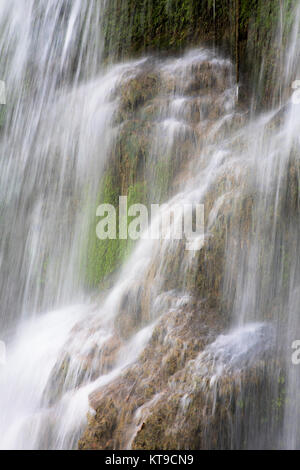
(136, 26)
(105, 256)
(262, 45)
(133, 27)
(2, 115)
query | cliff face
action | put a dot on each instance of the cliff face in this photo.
(152, 153)
(169, 27)
(254, 28)
(176, 379)
(191, 388)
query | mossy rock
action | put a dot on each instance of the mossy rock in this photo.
(136, 91)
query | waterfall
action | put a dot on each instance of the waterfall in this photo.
(44, 164)
(223, 316)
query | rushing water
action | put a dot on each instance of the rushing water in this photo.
(52, 112)
(57, 138)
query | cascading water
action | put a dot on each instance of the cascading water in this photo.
(45, 163)
(56, 139)
(60, 132)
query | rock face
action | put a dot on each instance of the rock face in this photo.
(194, 384)
(187, 389)
(132, 28)
(177, 397)
(128, 412)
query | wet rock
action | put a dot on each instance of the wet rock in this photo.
(75, 368)
(137, 90)
(176, 340)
